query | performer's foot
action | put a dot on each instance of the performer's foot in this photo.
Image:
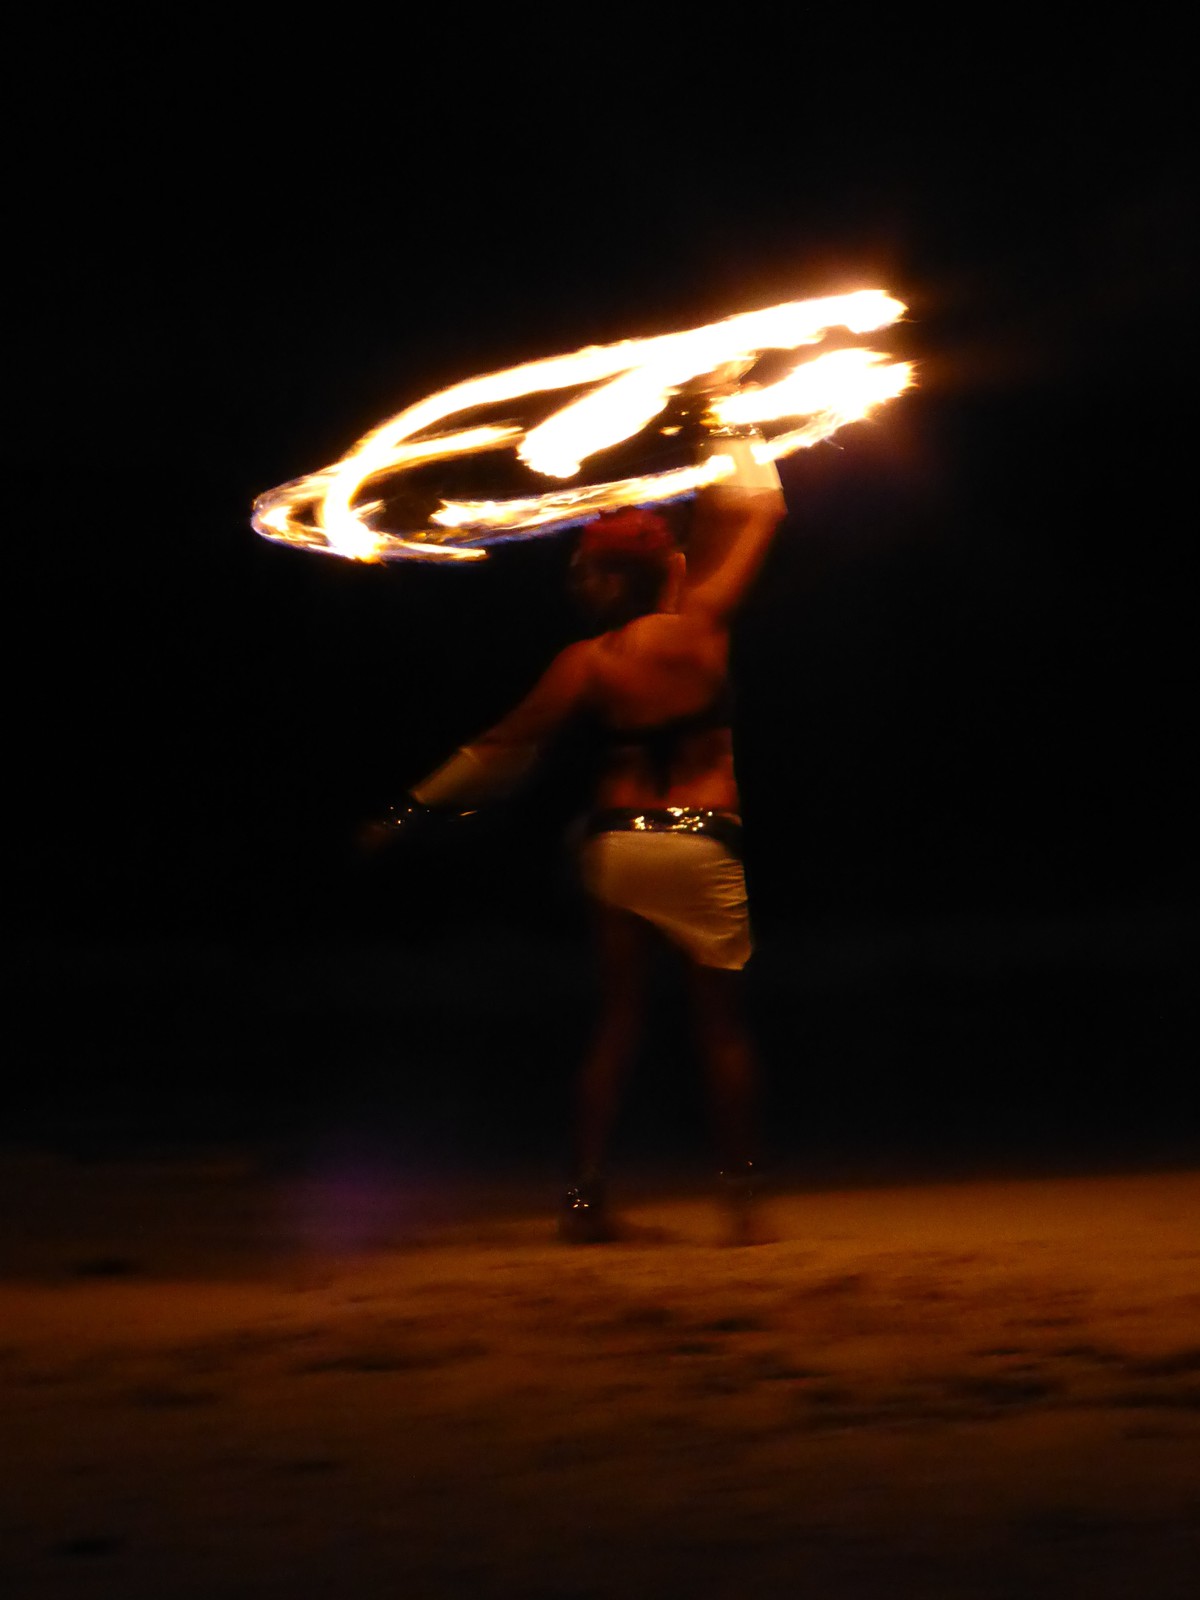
(583, 1217)
(741, 1189)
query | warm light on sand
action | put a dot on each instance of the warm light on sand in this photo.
(627, 385)
(983, 1381)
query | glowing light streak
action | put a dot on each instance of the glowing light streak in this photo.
(628, 385)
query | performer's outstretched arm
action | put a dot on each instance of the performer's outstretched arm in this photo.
(495, 763)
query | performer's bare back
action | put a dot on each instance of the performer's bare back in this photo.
(655, 670)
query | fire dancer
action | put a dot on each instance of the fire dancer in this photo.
(662, 853)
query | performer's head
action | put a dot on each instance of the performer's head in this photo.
(625, 566)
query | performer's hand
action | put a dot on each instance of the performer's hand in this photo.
(403, 820)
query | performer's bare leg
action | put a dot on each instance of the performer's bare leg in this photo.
(623, 942)
(622, 947)
(729, 1059)
(733, 1085)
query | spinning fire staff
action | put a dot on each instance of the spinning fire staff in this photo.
(662, 855)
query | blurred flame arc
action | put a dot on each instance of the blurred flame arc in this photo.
(628, 385)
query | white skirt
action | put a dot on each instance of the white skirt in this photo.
(689, 886)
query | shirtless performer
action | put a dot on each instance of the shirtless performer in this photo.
(663, 845)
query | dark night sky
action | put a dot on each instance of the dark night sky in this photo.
(963, 675)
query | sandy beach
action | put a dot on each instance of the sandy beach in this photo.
(225, 1382)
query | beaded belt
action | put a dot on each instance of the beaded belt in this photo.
(720, 825)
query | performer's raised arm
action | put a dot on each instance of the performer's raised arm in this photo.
(735, 521)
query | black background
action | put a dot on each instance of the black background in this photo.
(963, 678)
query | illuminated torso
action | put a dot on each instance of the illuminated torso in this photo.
(662, 680)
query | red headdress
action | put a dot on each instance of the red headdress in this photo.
(632, 534)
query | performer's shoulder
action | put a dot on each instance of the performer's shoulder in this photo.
(574, 665)
(672, 629)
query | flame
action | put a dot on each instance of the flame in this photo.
(628, 384)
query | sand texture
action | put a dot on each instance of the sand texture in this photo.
(219, 1383)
